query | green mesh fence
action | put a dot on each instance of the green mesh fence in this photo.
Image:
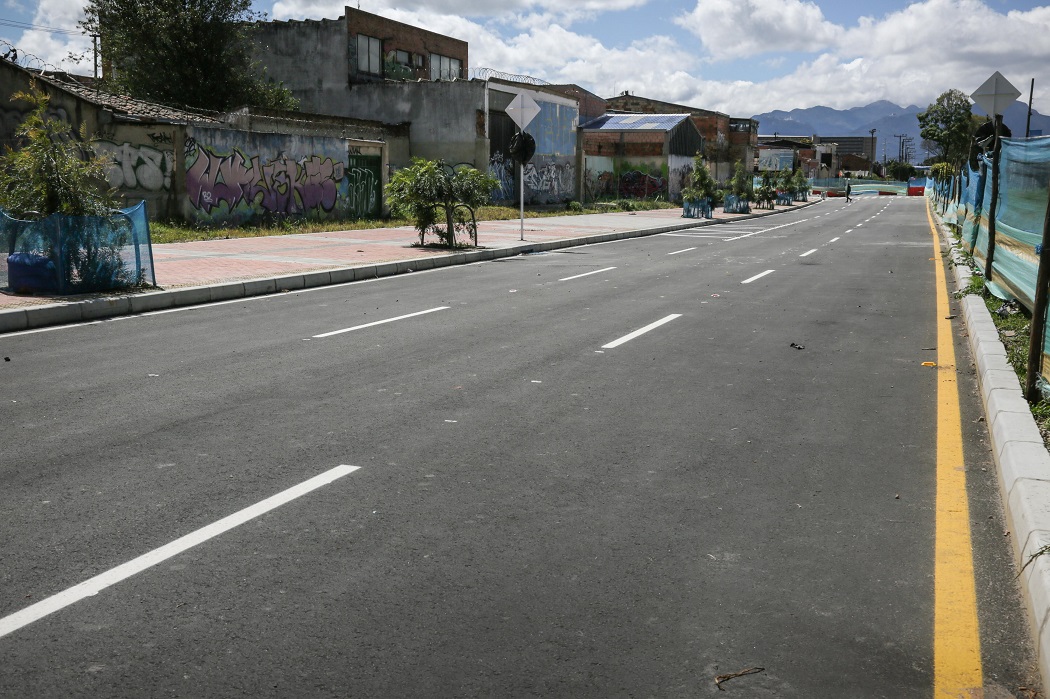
(1024, 178)
(77, 254)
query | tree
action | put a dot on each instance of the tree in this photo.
(800, 185)
(701, 184)
(52, 172)
(766, 195)
(428, 190)
(194, 53)
(899, 171)
(948, 124)
(743, 182)
(55, 173)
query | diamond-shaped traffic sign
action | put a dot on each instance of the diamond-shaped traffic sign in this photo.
(523, 109)
(995, 95)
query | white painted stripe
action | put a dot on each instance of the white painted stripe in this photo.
(93, 586)
(850, 230)
(833, 240)
(641, 331)
(381, 322)
(679, 252)
(586, 274)
(765, 230)
(807, 254)
(758, 276)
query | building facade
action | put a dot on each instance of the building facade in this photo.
(639, 155)
(723, 146)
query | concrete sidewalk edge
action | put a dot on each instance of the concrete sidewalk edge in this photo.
(79, 311)
(1021, 457)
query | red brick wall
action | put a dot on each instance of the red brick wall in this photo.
(404, 37)
(637, 144)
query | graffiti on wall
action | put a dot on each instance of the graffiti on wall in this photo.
(641, 185)
(363, 191)
(627, 184)
(134, 166)
(551, 179)
(282, 185)
(503, 170)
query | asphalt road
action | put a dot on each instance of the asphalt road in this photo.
(542, 502)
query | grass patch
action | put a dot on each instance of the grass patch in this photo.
(173, 232)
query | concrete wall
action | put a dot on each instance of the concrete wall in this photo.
(143, 164)
(236, 176)
(310, 58)
(552, 176)
(447, 118)
(65, 106)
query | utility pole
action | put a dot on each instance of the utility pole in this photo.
(1028, 123)
(900, 146)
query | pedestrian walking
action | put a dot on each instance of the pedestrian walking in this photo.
(849, 189)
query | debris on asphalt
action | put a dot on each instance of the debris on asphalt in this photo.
(725, 678)
(929, 363)
(7, 359)
(798, 346)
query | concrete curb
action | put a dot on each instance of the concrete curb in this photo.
(79, 311)
(1021, 457)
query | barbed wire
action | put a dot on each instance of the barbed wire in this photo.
(10, 52)
(486, 73)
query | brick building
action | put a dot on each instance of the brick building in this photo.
(723, 145)
(639, 155)
(315, 57)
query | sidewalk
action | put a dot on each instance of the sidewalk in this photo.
(219, 270)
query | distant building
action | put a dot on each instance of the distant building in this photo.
(639, 155)
(863, 146)
(317, 59)
(364, 66)
(721, 148)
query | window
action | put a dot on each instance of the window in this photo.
(444, 68)
(402, 58)
(369, 55)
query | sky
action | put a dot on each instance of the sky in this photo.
(740, 57)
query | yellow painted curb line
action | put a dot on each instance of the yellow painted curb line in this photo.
(956, 641)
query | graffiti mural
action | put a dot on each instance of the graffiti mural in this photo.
(503, 170)
(550, 181)
(363, 191)
(278, 186)
(135, 166)
(639, 185)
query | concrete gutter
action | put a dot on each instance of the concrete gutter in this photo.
(1021, 457)
(92, 309)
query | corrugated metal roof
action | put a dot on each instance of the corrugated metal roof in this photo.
(635, 122)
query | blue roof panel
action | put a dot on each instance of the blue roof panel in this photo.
(635, 122)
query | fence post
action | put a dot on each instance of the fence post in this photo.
(1035, 342)
(995, 200)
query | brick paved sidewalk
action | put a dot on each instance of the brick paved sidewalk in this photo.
(219, 261)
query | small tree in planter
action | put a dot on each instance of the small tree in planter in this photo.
(766, 195)
(800, 184)
(429, 190)
(54, 172)
(786, 183)
(702, 189)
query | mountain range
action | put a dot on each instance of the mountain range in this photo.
(887, 118)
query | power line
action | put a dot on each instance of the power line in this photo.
(38, 27)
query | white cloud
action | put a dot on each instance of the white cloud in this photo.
(908, 56)
(732, 29)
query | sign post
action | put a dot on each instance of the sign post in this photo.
(522, 110)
